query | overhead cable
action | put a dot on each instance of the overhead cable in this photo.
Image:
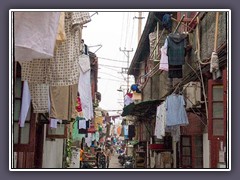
(109, 66)
(115, 60)
(112, 75)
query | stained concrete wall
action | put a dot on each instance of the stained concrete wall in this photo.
(207, 32)
(155, 87)
(164, 84)
(52, 153)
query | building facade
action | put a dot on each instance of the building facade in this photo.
(202, 143)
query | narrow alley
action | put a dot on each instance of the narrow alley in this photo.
(150, 86)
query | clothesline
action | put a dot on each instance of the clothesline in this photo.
(154, 71)
(162, 119)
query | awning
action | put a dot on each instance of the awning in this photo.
(142, 109)
(133, 142)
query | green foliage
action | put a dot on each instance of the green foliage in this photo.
(68, 151)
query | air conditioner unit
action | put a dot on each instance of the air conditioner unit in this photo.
(192, 92)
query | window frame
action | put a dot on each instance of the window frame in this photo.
(54, 136)
(18, 147)
(181, 151)
(211, 84)
(192, 147)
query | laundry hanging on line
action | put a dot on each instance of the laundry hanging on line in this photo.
(25, 106)
(176, 113)
(35, 34)
(163, 65)
(160, 123)
(176, 52)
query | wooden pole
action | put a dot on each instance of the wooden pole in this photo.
(139, 25)
(216, 32)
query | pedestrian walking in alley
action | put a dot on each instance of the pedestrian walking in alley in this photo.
(108, 156)
(98, 151)
(102, 159)
(81, 157)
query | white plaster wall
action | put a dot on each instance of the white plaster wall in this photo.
(206, 151)
(52, 153)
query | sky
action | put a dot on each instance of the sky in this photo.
(106, 35)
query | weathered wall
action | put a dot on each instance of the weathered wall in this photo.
(52, 153)
(146, 128)
(163, 84)
(207, 31)
(155, 87)
(146, 91)
(195, 125)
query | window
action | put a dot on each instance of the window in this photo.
(23, 137)
(191, 150)
(21, 134)
(216, 109)
(186, 152)
(54, 133)
(59, 132)
(198, 151)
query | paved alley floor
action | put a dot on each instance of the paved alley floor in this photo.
(114, 162)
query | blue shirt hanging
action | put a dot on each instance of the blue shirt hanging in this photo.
(176, 113)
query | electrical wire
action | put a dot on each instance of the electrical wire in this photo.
(150, 74)
(199, 65)
(196, 113)
(200, 79)
(109, 79)
(204, 93)
(154, 70)
(109, 66)
(112, 75)
(115, 60)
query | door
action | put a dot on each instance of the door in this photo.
(217, 123)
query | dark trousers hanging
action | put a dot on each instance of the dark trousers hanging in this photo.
(175, 71)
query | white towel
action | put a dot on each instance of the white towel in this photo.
(26, 101)
(53, 123)
(82, 124)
